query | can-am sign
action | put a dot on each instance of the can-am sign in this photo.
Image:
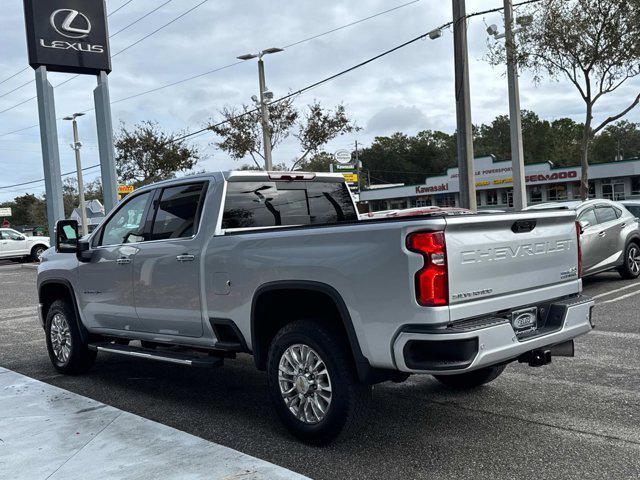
(68, 35)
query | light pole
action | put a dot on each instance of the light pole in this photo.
(76, 146)
(265, 95)
(517, 149)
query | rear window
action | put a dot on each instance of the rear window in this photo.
(634, 209)
(273, 204)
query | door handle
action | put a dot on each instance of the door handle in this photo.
(123, 261)
(186, 258)
(602, 234)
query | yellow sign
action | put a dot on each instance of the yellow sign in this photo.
(350, 177)
(483, 183)
(125, 189)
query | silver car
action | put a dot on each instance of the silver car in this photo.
(610, 236)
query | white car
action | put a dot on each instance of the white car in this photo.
(15, 245)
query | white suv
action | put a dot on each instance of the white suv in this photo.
(15, 245)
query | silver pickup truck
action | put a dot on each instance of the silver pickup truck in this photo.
(279, 266)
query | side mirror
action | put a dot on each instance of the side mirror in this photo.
(584, 224)
(66, 236)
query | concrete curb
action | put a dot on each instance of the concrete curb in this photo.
(48, 432)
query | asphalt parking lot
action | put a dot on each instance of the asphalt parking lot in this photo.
(576, 418)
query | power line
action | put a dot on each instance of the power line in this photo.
(140, 19)
(162, 27)
(14, 75)
(356, 22)
(199, 75)
(42, 179)
(114, 55)
(27, 68)
(120, 7)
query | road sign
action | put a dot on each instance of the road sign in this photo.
(124, 190)
(350, 177)
(343, 157)
(68, 35)
(5, 212)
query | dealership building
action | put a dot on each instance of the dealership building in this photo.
(494, 185)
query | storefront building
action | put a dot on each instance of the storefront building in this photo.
(494, 186)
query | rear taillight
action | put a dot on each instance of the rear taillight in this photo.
(432, 284)
(579, 233)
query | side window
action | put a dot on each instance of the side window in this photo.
(11, 235)
(177, 212)
(4, 235)
(605, 214)
(589, 216)
(127, 224)
(634, 209)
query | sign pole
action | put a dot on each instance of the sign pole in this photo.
(105, 142)
(50, 150)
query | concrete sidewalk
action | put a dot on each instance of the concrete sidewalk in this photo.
(50, 433)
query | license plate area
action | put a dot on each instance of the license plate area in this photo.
(525, 321)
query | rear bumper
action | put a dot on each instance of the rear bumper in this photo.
(450, 351)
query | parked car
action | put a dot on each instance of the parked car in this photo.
(633, 206)
(16, 246)
(610, 236)
(279, 266)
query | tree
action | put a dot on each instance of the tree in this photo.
(618, 141)
(146, 154)
(319, 162)
(27, 210)
(593, 44)
(320, 127)
(241, 130)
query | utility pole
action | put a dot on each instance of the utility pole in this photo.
(265, 96)
(517, 150)
(266, 133)
(76, 146)
(463, 108)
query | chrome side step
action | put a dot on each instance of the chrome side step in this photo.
(189, 360)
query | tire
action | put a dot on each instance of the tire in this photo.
(468, 381)
(36, 252)
(61, 327)
(630, 269)
(348, 398)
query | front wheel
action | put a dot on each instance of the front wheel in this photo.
(67, 351)
(631, 267)
(475, 379)
(37, 252)
(313, 383)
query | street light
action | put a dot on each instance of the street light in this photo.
(76, 146)
(517, 150)
(265, 96)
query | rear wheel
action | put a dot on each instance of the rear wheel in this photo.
(67, 351)
(313, 383)
(631, 267)
(475, 379)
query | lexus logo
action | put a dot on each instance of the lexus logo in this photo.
(70, 23)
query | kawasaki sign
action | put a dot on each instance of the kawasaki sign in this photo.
(68, 35)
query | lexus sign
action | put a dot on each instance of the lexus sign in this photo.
(68, 35)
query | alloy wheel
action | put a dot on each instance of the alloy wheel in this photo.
(60, 335)
(305, 384)
(633, 260)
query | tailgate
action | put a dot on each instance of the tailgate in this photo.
(492, 256)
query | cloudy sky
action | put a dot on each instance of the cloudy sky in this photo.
(409, 91)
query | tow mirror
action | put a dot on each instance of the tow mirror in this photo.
(67, 236)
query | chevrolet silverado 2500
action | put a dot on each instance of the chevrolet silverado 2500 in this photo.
(277, 265)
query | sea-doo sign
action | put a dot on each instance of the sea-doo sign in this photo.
(68, 35)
